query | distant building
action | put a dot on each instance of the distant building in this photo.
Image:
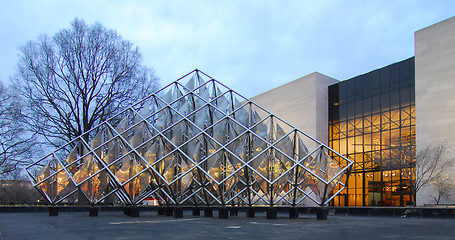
(380, 119)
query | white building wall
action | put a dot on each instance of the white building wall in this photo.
(302, 102)
(435, 91)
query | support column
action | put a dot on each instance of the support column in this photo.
(208, 212)
(271, 213)
(322, 213)
(233, 211)
(53, 211)
(250, 212)
(196, 211)
(93, 212)
(223, 212)
(178, 212)
(293, 212)
(134, 211)
(161, 210)
(169, 211)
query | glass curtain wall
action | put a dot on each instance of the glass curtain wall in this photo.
(372, 121)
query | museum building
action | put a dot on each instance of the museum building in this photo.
(380, 119)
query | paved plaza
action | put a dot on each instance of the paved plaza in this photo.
(115, 225)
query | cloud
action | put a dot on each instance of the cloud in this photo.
(251, 46)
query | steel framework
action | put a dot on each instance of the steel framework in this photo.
(197, 143)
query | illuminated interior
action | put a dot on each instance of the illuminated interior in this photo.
(193, 143)
(372, 121)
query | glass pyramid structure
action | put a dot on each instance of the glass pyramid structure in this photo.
(193, 142)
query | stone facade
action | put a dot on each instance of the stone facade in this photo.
(302, 103)
(435, 88)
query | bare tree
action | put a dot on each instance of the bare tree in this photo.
(429, 165)
(79, 78)
(421, 168)
(443, 185)
(16, 147)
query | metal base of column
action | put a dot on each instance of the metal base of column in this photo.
(53, 211)
(208, 212)
(93, 212)
(322, 213)
(196, 211)
(169, 211)
(250, 212)
(134, 212)
(233, 211)
(178, 212)
(161, 210)
(271, 213)
(293, 212)
(223, 212)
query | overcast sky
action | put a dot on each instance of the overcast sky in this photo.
(251, 46)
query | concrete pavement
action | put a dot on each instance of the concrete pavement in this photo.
(115, 225)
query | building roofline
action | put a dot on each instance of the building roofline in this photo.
(293, 81)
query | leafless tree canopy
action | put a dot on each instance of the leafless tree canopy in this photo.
(444, 186)
(79, 78)
(431, 164)
(428, 166)
(16, 147)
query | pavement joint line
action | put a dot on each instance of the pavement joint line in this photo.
(275, 224)
(233, 227)
(155, 221)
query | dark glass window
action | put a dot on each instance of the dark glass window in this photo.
(385, 104)
(394, 73)
(376, 104)
(395, 99)
(367, 82)
(358, 108)
(375, 79)
(405, 71)
(405, 97)
(350, 88)
(342, 87)
(367, 106)
(384, 76)
(358, 82)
